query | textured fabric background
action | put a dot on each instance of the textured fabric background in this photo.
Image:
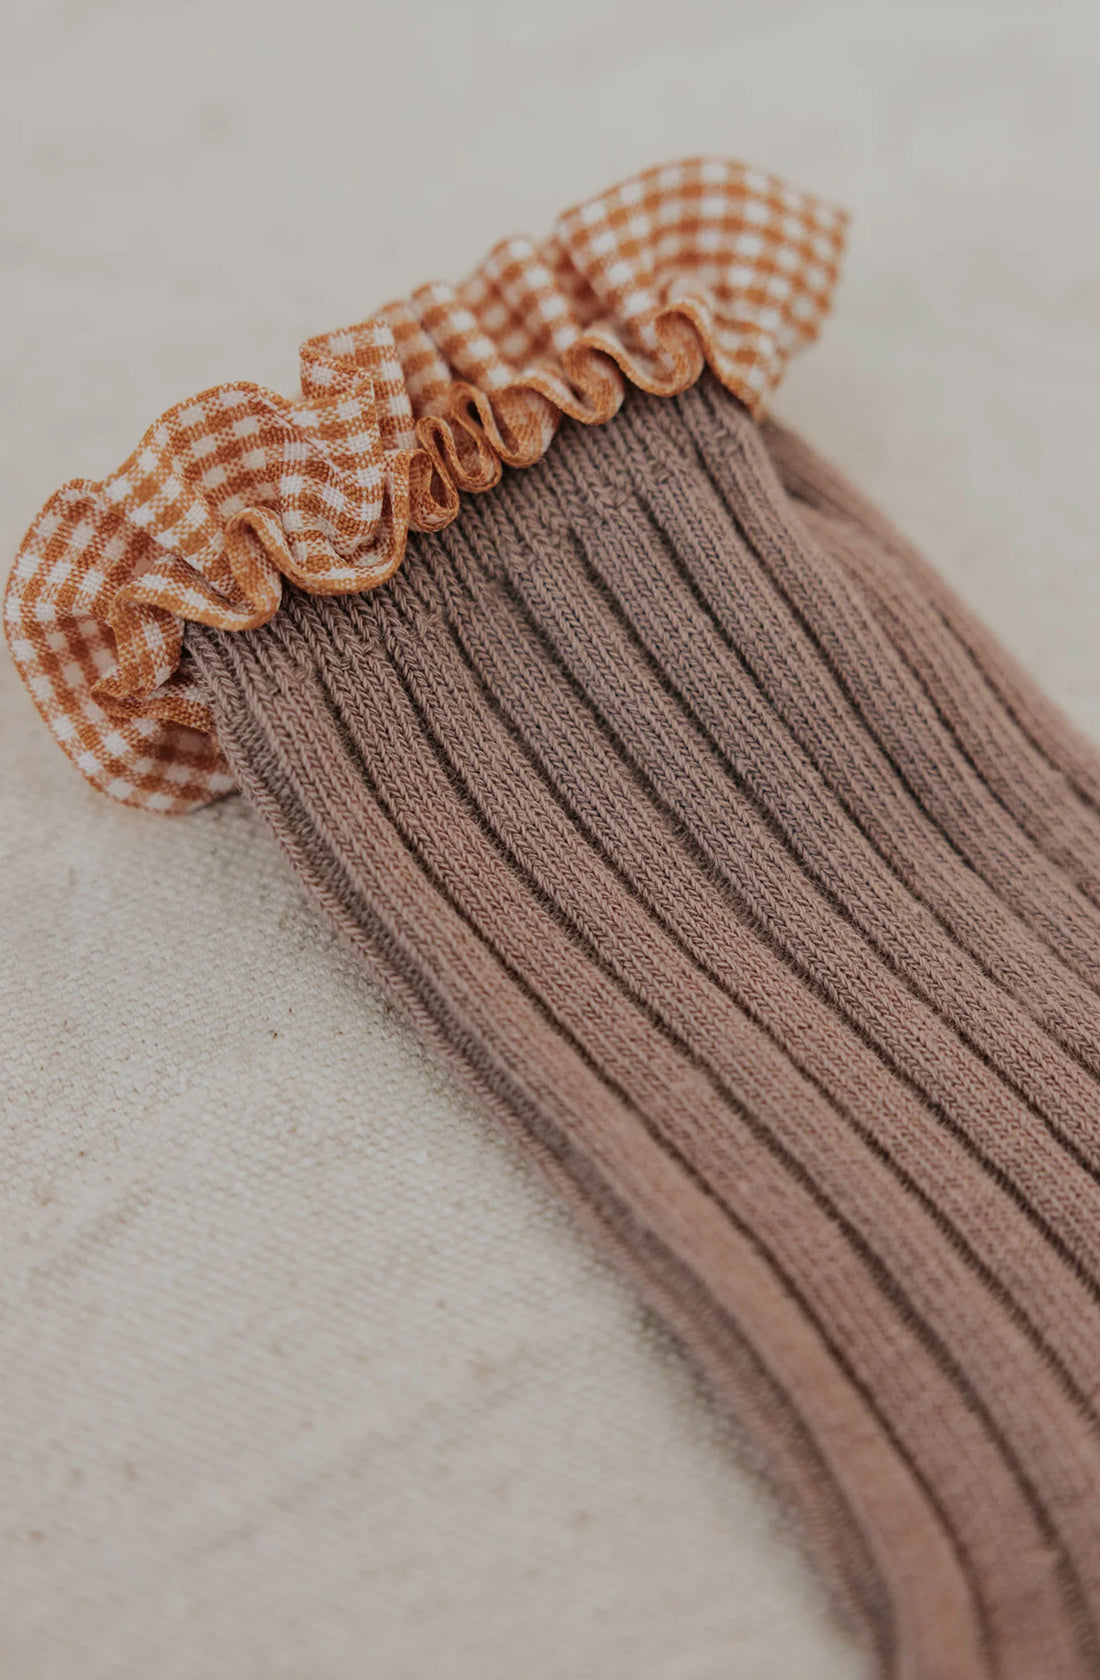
(304, 1376)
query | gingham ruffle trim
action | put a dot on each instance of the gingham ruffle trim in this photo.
(238, 488)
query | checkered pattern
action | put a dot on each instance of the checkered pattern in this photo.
(238, 488)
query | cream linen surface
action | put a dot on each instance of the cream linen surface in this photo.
(305, 1376)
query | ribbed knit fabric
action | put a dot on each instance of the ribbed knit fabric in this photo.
(701, 829)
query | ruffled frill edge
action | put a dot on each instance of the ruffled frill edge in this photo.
(237, 488)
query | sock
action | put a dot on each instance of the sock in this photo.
(707, 837)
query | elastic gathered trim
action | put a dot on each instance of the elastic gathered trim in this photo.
(705, 262)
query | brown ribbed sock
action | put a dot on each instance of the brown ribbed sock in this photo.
(705, 833)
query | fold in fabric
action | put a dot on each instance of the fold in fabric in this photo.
(702, 832)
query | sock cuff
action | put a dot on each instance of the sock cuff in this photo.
(228, 494)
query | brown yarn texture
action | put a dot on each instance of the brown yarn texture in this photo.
(704, 832)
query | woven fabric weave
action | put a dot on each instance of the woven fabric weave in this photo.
(239, 488)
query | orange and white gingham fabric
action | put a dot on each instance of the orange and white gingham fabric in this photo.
(238, 488)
